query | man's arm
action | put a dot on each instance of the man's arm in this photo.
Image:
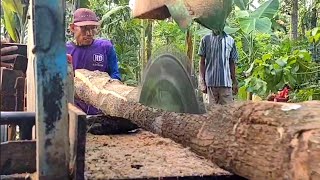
(232, 63)
(113, 69)
(233, 72)
(4, 57)
(202, 66)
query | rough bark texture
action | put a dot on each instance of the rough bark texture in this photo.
(256, 140)
(294, 19)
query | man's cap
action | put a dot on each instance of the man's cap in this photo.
(85, 17)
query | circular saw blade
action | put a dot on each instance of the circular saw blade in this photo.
(167, 85)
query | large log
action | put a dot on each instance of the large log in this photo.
(256, 140)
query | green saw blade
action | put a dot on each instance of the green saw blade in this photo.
(168, 86)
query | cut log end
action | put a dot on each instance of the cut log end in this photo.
(150, 10)
(157, 14)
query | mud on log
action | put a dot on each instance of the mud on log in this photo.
(261, 140)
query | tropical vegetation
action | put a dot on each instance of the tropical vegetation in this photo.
(278, 41)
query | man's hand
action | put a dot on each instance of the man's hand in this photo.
(204, 90)
(4, 57)
(115, 81)
(69, 58)
(235, 88)
(203, 87)
(5, 50)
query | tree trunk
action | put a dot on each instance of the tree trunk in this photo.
(149, 30)
(262, 140)
(189, 45)
(143, 59)
(294, 19)
(314, 17)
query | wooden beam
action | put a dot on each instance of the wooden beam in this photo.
(17, 157)
(77, 139)
(8, 89)
(12, 90)
(30, 74)
(49, 56)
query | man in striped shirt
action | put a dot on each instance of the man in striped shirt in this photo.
(217, 67)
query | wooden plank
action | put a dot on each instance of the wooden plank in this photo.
(24, 176)
(17, 157)
(20, 63)
(8, 91)
(70, 84)
(49, 56)
(10, 95)
(77, 139)
(30, 76)
(12, 132)
(19, 86)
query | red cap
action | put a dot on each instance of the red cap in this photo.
(85, 17)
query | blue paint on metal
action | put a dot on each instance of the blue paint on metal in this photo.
(51, 79)
(51, 63)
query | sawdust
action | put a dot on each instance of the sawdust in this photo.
(142, 155)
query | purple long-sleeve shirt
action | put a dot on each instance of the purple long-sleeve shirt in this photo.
(101, 56)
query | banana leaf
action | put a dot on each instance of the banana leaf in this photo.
(212, 16)
(260, 19)
(13, 12)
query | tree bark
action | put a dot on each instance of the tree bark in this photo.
(189, 45)
(294, 19)
(256, 140)
(149, 30)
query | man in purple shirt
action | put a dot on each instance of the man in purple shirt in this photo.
(90, 53)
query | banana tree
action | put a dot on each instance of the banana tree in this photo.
(14, 16)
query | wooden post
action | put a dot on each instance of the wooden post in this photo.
(50, 62)
(77, 139)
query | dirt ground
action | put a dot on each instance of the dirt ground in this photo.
(141, 155)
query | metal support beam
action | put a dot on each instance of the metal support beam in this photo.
(48, 52)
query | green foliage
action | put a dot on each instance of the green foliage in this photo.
(314, 36)
(168, 33)
(309, 93)
(14, 16)
(281, 66)
(269, 61)
(257, 20)
(242, 4)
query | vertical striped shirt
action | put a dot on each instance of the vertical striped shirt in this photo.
(218, 51)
